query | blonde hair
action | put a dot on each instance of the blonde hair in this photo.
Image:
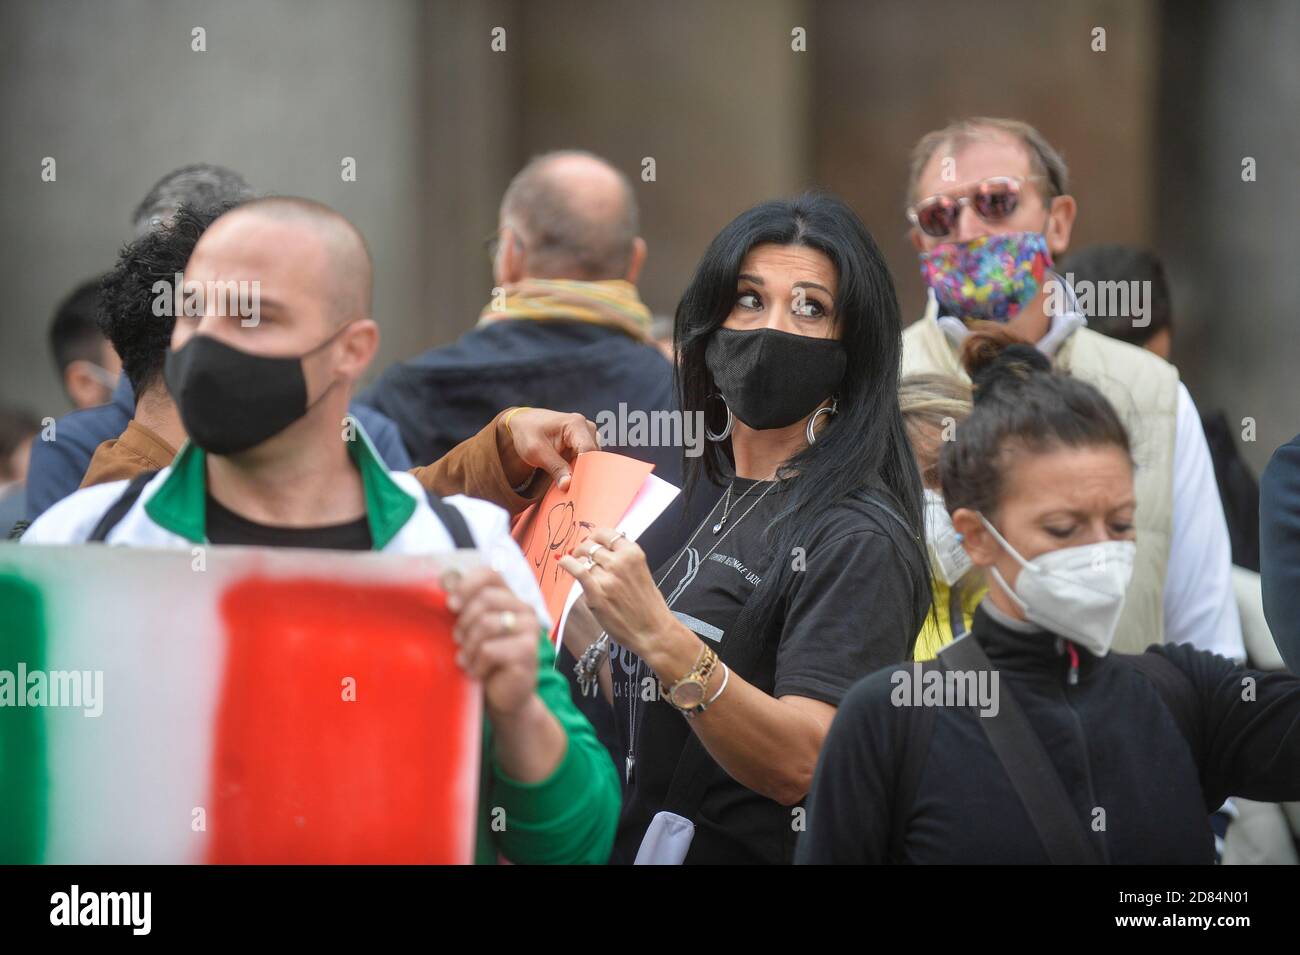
(930, 403)
(1045, 161)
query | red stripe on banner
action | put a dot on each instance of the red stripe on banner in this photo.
(303, 775)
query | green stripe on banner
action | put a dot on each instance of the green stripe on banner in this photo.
(24, 782)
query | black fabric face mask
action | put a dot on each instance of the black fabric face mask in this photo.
(231, 400)
(770, 378)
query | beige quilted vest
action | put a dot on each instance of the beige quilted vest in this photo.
(1144, 390)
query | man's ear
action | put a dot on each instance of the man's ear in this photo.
(83, 388)
(511, 260)
(918, 240)
(980, 545)
(1060, 223)
(636, 261)
(360, 343)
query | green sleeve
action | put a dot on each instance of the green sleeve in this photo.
(571, 816)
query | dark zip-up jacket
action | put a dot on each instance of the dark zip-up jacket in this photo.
(1146, 751)
(445, 395)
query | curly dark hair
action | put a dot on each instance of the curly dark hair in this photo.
(128, 293)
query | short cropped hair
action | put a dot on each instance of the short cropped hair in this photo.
(200, 186)
(351, 267)
(564, 238)
(74, 333)
(1122, 263)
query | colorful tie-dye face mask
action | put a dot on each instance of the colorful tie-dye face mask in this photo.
(991, 277)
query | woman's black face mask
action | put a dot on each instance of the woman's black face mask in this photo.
(232, 400)
(770, 378)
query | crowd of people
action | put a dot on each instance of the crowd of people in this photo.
(989, 588)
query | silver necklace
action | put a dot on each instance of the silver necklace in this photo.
(588, 666)
(726, 507)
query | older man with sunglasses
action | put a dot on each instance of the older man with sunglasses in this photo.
(990, 210)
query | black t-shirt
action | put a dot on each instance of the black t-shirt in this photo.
(226, 527)
(850, 609)
(1115, 739)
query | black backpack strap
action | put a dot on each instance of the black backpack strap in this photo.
(117, 510)
(1030, 769)
(453, 520)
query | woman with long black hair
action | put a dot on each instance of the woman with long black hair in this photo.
(810, 571)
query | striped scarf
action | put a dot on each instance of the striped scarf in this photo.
(613, 303)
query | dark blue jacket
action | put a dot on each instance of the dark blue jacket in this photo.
(57, 466)
(1279, 549)
(448, 394)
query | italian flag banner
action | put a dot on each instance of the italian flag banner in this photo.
(232, 705)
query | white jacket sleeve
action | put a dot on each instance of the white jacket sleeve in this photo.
(72, 519)
(1199, 602)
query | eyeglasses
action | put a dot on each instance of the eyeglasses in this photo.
(993, 200)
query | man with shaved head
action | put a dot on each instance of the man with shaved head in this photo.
(275, 459)
(60, 465)
(564, 327)
(337, 255)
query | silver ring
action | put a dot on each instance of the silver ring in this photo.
(508, 621)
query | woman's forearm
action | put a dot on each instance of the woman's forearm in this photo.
(766, 744)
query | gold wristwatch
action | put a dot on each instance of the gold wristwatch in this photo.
(687, 694)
